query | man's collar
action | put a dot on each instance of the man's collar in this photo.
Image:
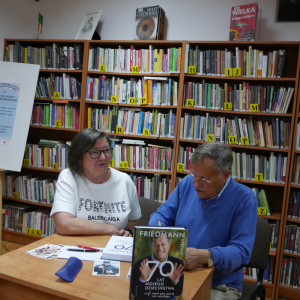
(224, 187)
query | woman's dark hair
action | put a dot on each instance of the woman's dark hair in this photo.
(82, 142)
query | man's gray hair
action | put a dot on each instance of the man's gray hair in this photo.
(221, 154)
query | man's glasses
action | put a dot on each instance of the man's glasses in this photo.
(202, 180)
(97, 153)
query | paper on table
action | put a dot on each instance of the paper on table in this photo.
(93, 256)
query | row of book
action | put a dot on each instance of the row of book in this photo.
(245, 166)
(26, 187)
(294, 205)
(46, 154)
(252, 63)
(262, 201)
(49, 57)
(156, 90)
(268, 274)
(290, 272)
(292, 239)
(240, 96)
(275, 227)
(274, 134)
(142, 157)
(132, 121)
(55, 115)
(295, 179)
(19, 217)
(297, 142)
(149, 60)
(58, 87)
(155, 188)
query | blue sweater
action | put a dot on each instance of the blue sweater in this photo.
(225, 225)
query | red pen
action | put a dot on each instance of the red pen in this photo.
(85, 247)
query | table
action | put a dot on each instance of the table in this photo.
(23, 276)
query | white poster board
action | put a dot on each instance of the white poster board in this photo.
(17, 91)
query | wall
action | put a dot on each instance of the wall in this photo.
(185, 19)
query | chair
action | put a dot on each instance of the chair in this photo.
(148, 206)
(259, 259)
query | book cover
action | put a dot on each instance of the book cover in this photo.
(158, 262)
(244, 22)
(146, 23)
(118, 248)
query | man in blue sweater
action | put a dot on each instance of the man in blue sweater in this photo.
(220, 215)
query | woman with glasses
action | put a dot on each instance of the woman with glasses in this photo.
(90, 197)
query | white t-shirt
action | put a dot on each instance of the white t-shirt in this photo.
(114, 202)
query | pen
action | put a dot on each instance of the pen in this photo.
(86, 247)
(82, 250)
(159, 223)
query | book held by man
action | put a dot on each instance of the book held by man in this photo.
(157, 270)
(118, 248)
(244, 22)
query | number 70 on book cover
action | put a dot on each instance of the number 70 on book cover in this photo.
(158, 262)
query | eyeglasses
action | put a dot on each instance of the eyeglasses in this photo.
(202, 180)
(97, 153)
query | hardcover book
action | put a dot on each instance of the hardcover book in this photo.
(244, 22)
(158, 262)
(118, 248)
(149, 23)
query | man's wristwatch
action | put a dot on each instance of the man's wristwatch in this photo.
(210, 261)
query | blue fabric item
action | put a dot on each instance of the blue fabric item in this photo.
(69, 271)
(225, 225)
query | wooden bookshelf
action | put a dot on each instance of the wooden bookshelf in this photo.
(284, 291)
(37, 132)
(276, 192)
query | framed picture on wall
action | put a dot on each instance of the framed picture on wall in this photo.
(288, 11)
(88, 25)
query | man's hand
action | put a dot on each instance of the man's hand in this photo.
(176, 273)
(145, 270)
(195, 257)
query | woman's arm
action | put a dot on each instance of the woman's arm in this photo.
(131, 224)
(67, 224)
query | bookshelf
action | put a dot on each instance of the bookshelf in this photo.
(140, 50)
(60, 70)
(286, 290)
(276, 190)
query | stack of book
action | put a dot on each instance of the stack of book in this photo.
(47, 154)
(147, 158)
(123, 120)
(21, 217)
(50, 57)
(290, 272)
(241, 96)
(292, 239)
(27, 188)
(55, 115)
(149, 60)
(274, 134)
(253, 63)
(58, 87)
(157, 90)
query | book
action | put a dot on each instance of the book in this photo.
(244, 22)
(157, 252)
(149, 23)
(118, 248)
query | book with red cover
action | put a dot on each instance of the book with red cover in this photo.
(244, 22)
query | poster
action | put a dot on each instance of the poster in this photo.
(9, 95)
